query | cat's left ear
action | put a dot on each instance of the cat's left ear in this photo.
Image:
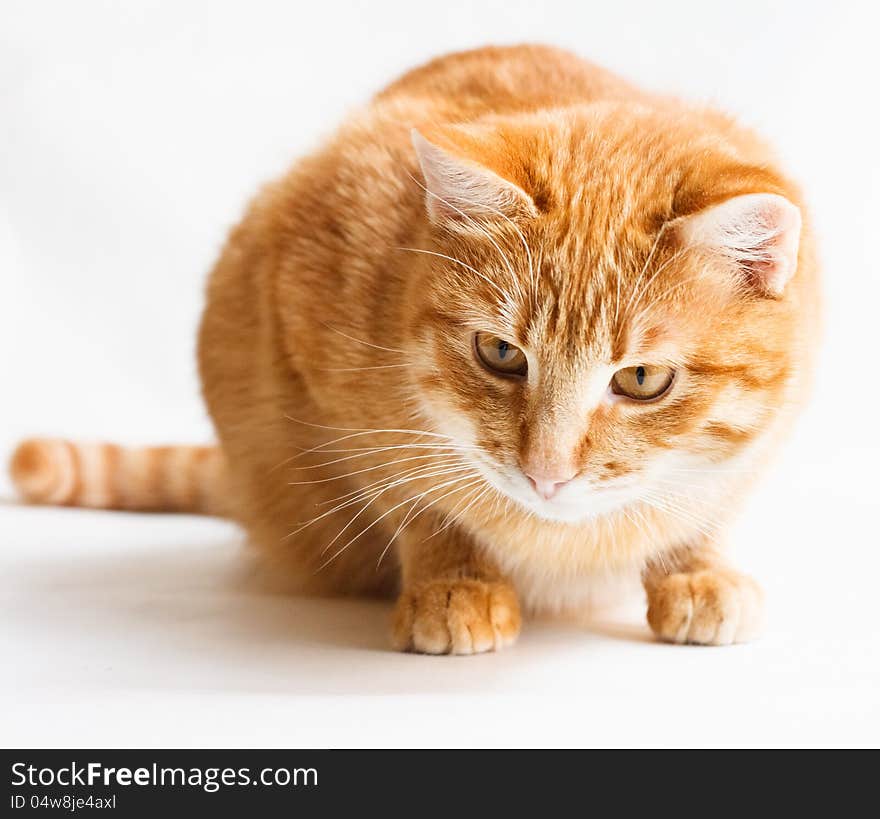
(758, 232)
(459, 191)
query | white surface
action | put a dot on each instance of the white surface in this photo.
(131, 135)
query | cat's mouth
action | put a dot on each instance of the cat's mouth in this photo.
(578, 501)
(579, 505)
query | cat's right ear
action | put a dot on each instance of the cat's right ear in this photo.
(459, 193)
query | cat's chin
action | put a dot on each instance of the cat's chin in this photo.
(561, 514)
(572, 512)
(557, 513)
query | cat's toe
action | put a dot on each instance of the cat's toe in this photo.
(458, 616)
(712, 607)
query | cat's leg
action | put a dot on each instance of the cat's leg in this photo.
(695, 597)
(454, 601)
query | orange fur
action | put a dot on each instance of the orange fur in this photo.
(107, 476)
(367, 449)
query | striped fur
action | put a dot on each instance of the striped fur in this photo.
(108, 476)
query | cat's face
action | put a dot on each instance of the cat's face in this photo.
(600, 350)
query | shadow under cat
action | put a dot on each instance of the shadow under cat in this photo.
(199, 616)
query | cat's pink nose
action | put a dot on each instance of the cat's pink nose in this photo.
(545, 486)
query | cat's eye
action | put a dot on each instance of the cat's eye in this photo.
(500, 356)
(643, 383)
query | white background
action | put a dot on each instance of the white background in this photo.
(131, 135)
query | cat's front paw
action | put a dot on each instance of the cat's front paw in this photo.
(714, 607)
(456, 616)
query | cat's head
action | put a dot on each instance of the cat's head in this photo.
(606, 311)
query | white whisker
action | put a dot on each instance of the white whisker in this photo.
(367, 453)
(642, 272)
(365, 343)
(373, 495)
(463, 512)
(483, 276)
(385, 479)
(382, 517)
(367, 430)
(361, 433)
(361, 369)
(358, 471)
(406, 521)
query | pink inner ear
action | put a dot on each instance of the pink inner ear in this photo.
(760, 232)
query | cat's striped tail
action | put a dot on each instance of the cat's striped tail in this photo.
(107, 476)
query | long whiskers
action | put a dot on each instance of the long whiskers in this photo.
(361, 369)
(382, 517)
(354, 432)
(470, 500)
(368, 430)
(372, 493)
(410, 518)
(370, 451)
(665, 502)
(364, 491)
(373, 498)
(359, 471)
(360, 341)
(323, 446)
(639, 278)
(483, 276)
(637, 295)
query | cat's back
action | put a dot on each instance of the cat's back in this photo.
(505, 80)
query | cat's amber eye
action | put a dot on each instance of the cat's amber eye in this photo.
(642, 383)
(500, 356)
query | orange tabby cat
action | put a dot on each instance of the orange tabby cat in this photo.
(517, 329)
